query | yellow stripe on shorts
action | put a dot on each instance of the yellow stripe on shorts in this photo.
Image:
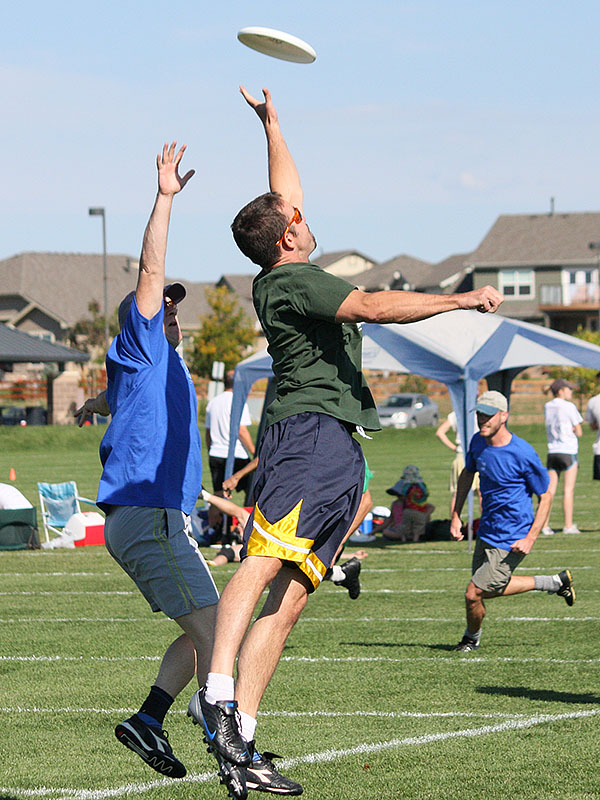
(279, 540)
(313, 569)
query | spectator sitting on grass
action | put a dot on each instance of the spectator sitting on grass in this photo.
(411, 511)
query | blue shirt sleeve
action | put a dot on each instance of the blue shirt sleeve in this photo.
(536, 475)
(476, 446)
(141, 340)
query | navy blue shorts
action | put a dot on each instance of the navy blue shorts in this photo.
(307, 489)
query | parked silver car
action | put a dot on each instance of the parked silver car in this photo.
(408, 410)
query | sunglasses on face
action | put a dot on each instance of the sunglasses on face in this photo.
(296, 218)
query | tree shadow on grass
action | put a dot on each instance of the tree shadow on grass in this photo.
(8, 797)
(547, 695)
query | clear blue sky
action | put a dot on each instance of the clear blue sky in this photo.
(418, 124)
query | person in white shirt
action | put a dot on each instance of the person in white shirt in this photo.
(12, 499)
(592, 415)
(563, 429)
(458, 464)
(218, 421)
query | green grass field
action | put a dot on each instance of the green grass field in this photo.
(369, 700)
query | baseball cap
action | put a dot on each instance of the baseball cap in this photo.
(560, 383)
(491, 402)
(175, 292)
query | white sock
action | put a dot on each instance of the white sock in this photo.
(248, 726)
(547, 583)
(219, 687)
(337, 573)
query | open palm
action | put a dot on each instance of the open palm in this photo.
(167, 162)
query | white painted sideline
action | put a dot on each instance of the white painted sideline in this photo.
(183, 711)
(309, 758)
(455, 659)
(458, 617)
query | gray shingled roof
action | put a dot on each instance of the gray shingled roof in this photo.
(327, 259)
(438, 273)
(385, 275)
(65, 283)
(539, 239)
(19, 347)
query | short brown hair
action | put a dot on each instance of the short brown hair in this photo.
(257, 228)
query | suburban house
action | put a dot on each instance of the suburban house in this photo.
(545, 265)
(44, 294)
(344, 263)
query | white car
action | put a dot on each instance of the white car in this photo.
(408, 410)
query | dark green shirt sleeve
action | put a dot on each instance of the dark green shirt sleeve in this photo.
(317, 294)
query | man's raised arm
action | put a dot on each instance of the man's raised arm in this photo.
(283, 175)
(151, 277)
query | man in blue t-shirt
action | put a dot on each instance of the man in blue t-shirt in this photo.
(510, 472)
(152, 476)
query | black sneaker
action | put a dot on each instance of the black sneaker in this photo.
(566, 588)
(151, 745)
(233, 776)
(263, 776)
(467, 644)
(351, 570)
(221, 730)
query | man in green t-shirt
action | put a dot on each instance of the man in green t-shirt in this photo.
(311, 470)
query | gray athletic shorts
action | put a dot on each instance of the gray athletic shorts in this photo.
(154, 547)
(493, 567)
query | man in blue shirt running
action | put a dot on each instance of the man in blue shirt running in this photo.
(152, 476)
(510, 472)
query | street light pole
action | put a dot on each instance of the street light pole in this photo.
(99, 212)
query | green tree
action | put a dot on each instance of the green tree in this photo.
(584, 379)
(225, 335)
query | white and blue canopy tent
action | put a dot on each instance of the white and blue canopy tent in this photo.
(457, 349)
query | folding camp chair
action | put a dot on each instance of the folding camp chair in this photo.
(59, 501)
(18, 529)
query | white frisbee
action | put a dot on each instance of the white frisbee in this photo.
(277, 44)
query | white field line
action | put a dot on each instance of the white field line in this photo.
(80, 619)
(136, 594)
(347, 620)
(442, 619)
(60, 593)
(310, 758)
(365, 569)
(57, 574)
(456, 659)
(527, 566)
(309, 714)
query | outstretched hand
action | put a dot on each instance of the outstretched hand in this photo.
(487, 299)
(93, 405)
(167, 163)
(266, 111)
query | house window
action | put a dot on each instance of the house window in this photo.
(516, 284)
(46, 336)
(580, 286)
